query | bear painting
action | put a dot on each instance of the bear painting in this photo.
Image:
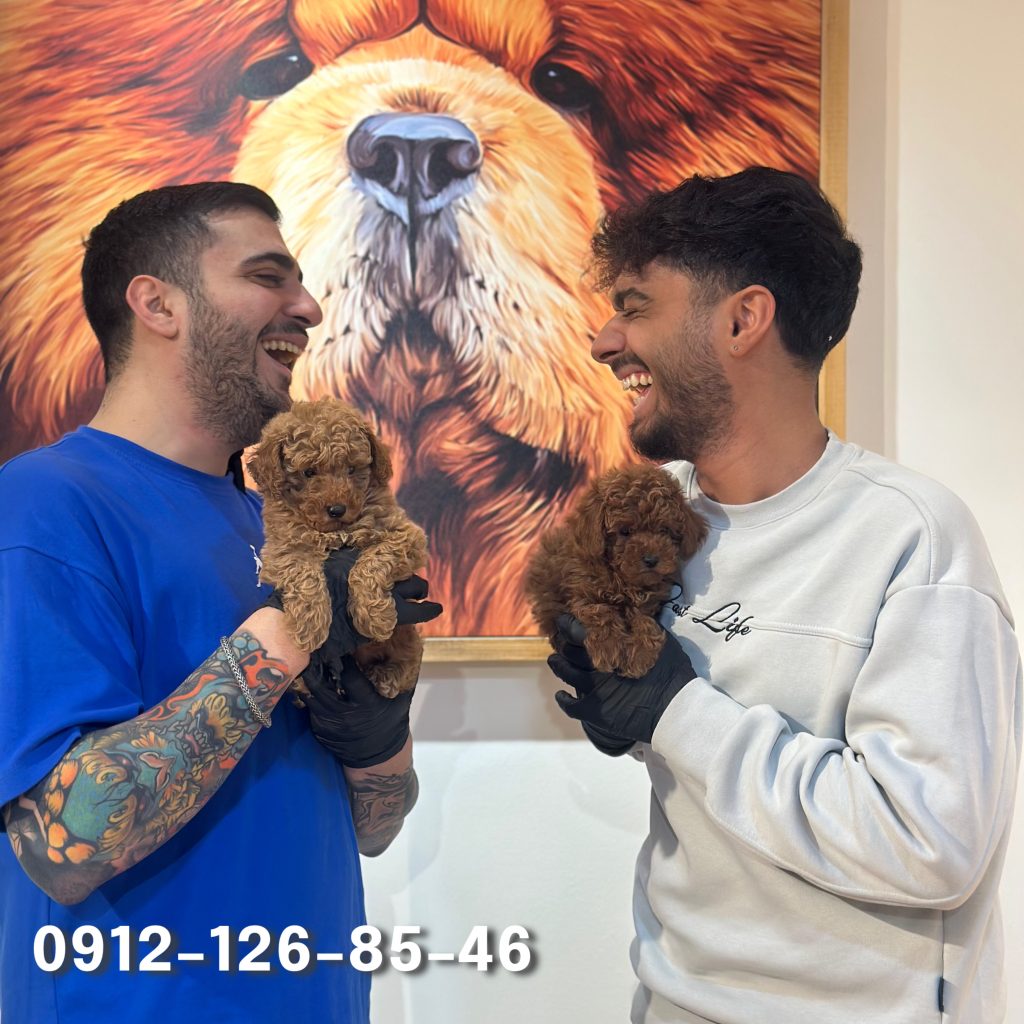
(441, 166)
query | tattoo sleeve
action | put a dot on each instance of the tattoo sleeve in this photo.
(120, 792)
(379, 806)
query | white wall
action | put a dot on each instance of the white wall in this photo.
(519, 822)
(958, 343)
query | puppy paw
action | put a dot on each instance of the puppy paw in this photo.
(389, 678)
(639, 659)
(606, 652)
(308, 631)
(643, 645)
(375, 619)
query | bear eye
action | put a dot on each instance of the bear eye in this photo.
(563, 86)
(309, 472)
(275, 75)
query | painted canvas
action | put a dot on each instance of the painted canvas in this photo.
(441, 165)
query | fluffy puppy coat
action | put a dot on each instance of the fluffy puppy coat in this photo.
(324, 477)
(612, 565)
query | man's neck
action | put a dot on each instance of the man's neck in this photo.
(756, 464)
(165, 430)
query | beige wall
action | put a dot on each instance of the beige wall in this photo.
(519, 823)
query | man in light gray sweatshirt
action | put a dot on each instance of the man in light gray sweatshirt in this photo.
(833, 728)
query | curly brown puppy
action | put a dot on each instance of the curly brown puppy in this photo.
(324, 477)
(612, 565)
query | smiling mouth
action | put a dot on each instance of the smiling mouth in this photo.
(637, 384)
(284, 352)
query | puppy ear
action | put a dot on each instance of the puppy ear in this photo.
(587, 524)
(380, 465)
(266, 465)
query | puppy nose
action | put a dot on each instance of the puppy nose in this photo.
(413, 165)
(650, 561)
(336, 511)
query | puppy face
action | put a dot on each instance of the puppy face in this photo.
(642, 552)
(638, 522)
(320, 462)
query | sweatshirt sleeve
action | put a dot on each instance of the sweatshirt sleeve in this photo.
(909, 807)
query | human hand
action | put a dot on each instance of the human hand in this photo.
(614, 711)
(569, 643)
(351, 719)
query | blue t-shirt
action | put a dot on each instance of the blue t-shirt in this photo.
(119, 571)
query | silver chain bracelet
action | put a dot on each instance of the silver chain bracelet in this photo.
(257, 712)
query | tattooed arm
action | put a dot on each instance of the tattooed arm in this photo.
(122, 791)
(381, 797)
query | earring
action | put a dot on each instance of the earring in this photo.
(735, 348)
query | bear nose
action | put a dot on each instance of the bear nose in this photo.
(336, 511)
(650, 561)
(413, 165)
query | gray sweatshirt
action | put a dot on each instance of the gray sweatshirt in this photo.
(831, 797)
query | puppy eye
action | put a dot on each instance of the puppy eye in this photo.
(624, 531)
(274, 75)
(351, 470)
(309, 472)
(563, 87)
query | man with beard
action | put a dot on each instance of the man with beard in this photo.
(833, 727)
(145, 796)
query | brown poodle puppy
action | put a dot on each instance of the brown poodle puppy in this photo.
(612, 565)
(324, 477)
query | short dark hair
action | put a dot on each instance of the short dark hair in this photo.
(162, 233)
(760, 226)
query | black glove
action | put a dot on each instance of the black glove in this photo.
(352, 720)
(569, 642)
(410, 605)
(618, 708)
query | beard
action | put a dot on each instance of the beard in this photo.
(695, 406)
(228, 396)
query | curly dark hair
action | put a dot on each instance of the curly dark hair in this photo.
(160, 232)
(760, 226)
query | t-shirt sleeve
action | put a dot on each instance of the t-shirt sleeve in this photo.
(69, 663)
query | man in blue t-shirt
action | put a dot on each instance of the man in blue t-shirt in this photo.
(168, 849)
